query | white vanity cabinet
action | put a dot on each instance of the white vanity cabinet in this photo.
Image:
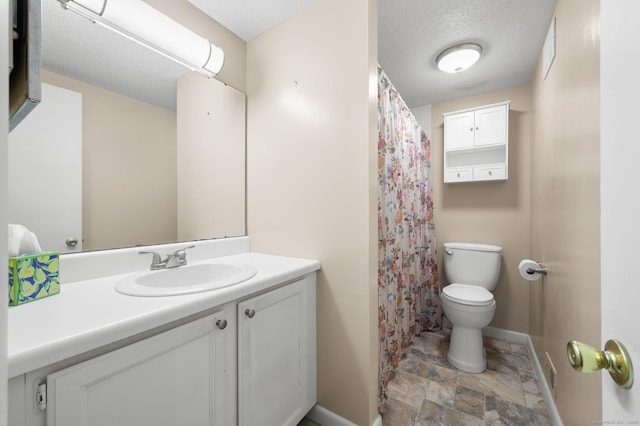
(250, 361)
(277, 355)
(476, 144)
(179, 377)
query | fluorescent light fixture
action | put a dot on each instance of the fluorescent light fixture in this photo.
(459, 57)
(143, 24)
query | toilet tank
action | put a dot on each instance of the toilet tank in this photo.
(472, 264)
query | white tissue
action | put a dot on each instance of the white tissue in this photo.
(22, 241)
(525, 266)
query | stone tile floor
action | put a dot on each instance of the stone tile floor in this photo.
(429, 391)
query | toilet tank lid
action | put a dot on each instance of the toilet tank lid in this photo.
(473, 246)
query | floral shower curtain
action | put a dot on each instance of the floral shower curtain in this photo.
(408, 284)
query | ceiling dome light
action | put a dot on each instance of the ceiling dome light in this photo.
(459, 57)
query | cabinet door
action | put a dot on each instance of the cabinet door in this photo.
(170, 379)
(459, 130)
(276, 353)
(491, 126)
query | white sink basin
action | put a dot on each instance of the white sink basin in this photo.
(184, 279)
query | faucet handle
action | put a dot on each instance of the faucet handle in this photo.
(178, 257)
(181, 253)
(157, 259)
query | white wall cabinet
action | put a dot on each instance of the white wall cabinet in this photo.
(476, 144)
(276, 356)
(252, 362)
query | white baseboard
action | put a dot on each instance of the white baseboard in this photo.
(507, 335)
(525, 339)
(324, 417)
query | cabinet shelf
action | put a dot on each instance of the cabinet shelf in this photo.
(476, 149)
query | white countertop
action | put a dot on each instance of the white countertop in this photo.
(89, 314)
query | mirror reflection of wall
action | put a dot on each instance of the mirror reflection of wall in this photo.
(211, 172)
(130, 161)
(133, 151)
(148, 176)
(129, 174)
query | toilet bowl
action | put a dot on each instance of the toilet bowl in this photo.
(472, 271)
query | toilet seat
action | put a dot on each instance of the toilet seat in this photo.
(469, 295)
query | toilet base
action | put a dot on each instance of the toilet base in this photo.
(466, 350)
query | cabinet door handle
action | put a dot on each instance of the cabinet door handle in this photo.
(490, 173)
(250, 313)
(221, 324)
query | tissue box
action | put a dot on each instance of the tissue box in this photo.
(33, 277)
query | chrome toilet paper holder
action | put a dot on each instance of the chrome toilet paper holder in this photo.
(541, 269)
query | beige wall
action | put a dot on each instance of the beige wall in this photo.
(211, 159)
(565, 206)
(119, 134)
(234, 70)
(490, 212)
(312, 133)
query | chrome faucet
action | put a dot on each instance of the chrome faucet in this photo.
(173, 260)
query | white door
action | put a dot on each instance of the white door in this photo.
(45, 170)
(620, 198)
(276, 356)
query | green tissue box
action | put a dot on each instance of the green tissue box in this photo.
(33, 277)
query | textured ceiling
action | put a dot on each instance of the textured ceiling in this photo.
(73, 46)
(511, 33)
(250, 18)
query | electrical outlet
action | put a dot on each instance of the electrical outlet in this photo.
(552, 374)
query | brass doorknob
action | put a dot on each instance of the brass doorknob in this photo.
(614, 358)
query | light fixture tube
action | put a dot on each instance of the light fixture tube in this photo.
(143, 24)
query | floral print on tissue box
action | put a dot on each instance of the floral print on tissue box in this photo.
(33, 277)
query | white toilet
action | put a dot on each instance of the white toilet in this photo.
(472, 271)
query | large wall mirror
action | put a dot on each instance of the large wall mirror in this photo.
(127, 148)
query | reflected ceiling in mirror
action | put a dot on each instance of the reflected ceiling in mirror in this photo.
(76, 47)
